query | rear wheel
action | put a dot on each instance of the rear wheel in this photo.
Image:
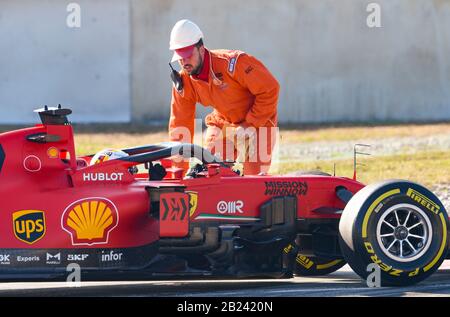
(313, 265)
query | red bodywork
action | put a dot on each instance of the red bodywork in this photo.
(53, 202)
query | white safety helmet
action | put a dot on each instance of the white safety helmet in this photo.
(185, 33)
(107, 155)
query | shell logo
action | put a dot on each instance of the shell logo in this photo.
(90, 221)
(53, 153)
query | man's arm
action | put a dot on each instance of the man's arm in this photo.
(182, 115)
(253, 75)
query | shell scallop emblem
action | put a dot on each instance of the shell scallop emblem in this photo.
(90, 221)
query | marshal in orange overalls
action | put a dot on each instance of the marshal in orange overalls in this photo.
(240, 89)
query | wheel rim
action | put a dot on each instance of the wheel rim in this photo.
(404, 232)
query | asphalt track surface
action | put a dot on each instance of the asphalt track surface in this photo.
(341, 283)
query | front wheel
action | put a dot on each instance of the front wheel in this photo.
(399, 226)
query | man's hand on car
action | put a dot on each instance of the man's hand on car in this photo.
(246, 142)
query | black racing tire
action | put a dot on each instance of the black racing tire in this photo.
(314, 265)
(400, 226)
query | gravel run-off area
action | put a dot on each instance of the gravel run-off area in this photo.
(336, 150)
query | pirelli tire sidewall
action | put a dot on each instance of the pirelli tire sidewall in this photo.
(365, 215)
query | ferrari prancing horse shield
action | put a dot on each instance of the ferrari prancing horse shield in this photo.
(193, 202)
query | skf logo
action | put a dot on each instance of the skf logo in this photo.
(90, 221)
(193, 202)
(423, 200)
(230, 207)
(29, 225)
(77, 257)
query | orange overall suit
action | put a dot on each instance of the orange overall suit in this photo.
(240, 89)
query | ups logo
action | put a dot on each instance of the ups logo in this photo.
(29, 225)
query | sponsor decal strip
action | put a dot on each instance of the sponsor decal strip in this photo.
(372, 207)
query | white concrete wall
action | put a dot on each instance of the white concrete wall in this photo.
(42, 61)
(331, 66)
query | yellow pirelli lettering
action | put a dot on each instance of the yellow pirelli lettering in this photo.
(386, 268)
(288, 248)
(372, 207)
(414, 273)
(369, 247)
(442, 248)
(423, 200)
(304, 261)
(395, 272)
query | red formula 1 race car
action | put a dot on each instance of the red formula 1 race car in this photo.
(108, 217)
